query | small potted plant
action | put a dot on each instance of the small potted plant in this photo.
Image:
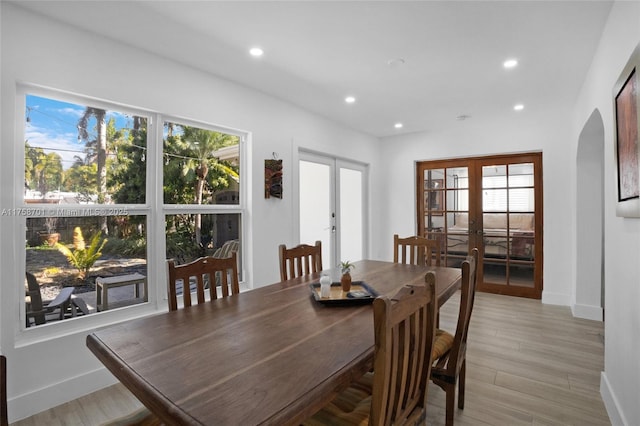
(345, 280)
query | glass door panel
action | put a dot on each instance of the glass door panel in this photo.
(446, 211)
(316, 205)
(508, 226)
(351, 213)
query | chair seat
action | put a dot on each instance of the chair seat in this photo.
(364, 383)
(350, 407)
(442, 345)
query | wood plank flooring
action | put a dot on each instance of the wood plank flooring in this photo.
(527, 364)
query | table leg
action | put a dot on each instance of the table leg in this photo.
(105, 295)
(98, 295)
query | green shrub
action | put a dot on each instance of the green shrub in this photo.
(131, 246)
(181, 245)
(81, 257)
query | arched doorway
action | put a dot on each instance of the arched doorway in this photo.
(589, 295)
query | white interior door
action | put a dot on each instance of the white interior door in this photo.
(332, 194)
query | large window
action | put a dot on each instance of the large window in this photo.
(91, 191)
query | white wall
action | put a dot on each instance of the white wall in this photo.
(537, 128)
(620, 385)
(43, 52)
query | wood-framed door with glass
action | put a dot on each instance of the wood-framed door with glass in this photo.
(493, 203)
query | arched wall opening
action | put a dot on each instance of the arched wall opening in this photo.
(589, 290)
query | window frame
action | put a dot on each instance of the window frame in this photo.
(153, 209)
(210, 209)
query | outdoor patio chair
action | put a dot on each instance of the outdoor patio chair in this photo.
(42, 311)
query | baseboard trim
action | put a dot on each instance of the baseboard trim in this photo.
(28, 404)
(555, 298)
(616, 416)
(587, 312)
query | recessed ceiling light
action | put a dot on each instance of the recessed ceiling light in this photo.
(510, 63)
(349, 99)
(395, 63)
(518, 107)
(398, 125)
(256, 51)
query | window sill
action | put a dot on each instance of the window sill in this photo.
(88, 323)
(82, 325)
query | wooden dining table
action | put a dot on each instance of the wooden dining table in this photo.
(273, 355)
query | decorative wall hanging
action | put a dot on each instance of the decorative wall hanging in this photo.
(627, 148)
(273, 178)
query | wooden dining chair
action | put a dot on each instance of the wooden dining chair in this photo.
(416, 251)
(395, 393)
(202, 274)
(449, 351)
(4, 416)
(302, 259)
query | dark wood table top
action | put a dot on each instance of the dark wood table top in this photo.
(272, 355)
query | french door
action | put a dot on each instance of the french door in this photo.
(492, 203)
(332, 197)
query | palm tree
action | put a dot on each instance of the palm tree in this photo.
(204, 143)
(101, 152)
(42, 171)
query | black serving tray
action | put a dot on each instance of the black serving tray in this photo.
(340, 298)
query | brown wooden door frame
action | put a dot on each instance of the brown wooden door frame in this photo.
(474, 165)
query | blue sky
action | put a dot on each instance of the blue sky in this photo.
(53, 125)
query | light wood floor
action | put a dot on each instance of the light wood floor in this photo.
(528, 364)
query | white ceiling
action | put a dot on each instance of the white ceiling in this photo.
(318, 52)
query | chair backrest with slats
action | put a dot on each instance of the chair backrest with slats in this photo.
(205, 273)
(4, 418)
(300, 260)
(416, 251)
(467, 297)
(35, 300)
(404, 336)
